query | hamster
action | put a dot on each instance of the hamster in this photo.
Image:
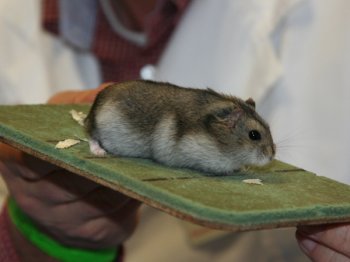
(179, 127)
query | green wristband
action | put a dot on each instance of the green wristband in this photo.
(50, 246)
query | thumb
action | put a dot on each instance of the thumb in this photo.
(76, 97)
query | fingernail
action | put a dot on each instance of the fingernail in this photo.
(308, 245)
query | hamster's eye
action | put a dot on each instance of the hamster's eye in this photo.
(254, 135)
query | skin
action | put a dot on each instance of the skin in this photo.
(325, 243)
(75, 211)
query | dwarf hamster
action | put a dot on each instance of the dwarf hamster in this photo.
(179, 127)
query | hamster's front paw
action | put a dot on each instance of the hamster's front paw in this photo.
(96, 149)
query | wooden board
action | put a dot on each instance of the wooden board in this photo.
(289, 195)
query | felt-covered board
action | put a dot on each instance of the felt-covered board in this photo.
(289, 195)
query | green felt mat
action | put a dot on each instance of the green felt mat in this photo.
(289, 195)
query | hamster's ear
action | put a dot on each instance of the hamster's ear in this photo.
(229, 115)
(250, 102)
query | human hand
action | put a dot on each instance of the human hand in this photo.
(76, 97)
(75, 211)
(326, 243)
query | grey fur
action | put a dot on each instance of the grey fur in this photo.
(176, 126)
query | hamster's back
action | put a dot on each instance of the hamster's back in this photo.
(144, 103)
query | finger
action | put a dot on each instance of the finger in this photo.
(55, 188)
(13, 157)
(10, 173)
(75, 97)
(8, 153)
(68, 194)
(61, 187)
(100, 202)
(19, 188)
(89, 95)
(103, 201)
(319, 252)
(334, 237)
(38, 167)
(104, 231)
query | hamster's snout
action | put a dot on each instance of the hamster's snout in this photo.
(267, 154)
(268, 151)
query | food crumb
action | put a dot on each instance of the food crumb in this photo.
(67, 143)
(78, 116)
(255, 181)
